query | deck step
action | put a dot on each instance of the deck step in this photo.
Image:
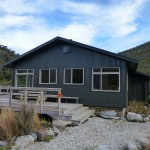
(77, 111)
(80, 118)
(72, 108)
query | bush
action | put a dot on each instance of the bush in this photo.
(138, 107)
(16, 124)
(45, 123)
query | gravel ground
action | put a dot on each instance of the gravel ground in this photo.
(96, 131)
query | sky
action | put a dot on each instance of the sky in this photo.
(113, 25)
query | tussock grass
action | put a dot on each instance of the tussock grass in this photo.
(8, 124)
(20, 123)
(138, 107)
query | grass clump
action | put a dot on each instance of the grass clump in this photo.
(48, 138)
(138, 107)
(16, 124)
(8, 124)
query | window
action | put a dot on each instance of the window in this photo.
(74, 76)
(48, 76)
(24, 78)
(106, 79)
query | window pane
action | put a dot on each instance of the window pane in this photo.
(52, 75)
(22, 71)
(96, 81)
(67, 75)
(44, 76)
(30, 71)
(77, 76)
(21, 80)
(30, 81)
(110, 82)
(96, 70)
(110, 69)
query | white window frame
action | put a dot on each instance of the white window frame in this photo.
(27, 73)
(72, 76)
(101, 73)
(40, 75)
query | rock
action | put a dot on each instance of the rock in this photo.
(98, 147)
(13, 139)
(22, 141)
(123, 118)
(131, 146)
(67, 128)
(50, 133)
(110, 114)
(134, 117)
(41, 134)
(60, 124)
(146, 119)
(56, 131)
(143, 143)
(34, 135)
(3, 144)
(102, 147)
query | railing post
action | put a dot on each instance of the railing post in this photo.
(41, 101)
(25, 97)
(10, 101)
(59, 102)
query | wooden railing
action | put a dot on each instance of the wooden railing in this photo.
(29, 91)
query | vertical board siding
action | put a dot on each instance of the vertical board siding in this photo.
(79, 58)
(138, 87)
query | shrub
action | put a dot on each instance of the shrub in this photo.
(45, 123)
(138, 107)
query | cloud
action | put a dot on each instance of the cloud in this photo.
(28, 24)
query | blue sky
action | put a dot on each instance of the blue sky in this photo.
(113, 25)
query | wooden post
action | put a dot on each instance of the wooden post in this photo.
(123, 111)
(10, 101)
(59, 102)
(25, 97)
(41, 101)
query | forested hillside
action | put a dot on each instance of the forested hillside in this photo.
(6, 55)
(141, 53)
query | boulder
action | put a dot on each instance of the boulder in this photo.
(143, 143)
(60, 124)
(3, 144)
(34, 135)
(98, 147)
(41, 134)
(134, 117)
(110, 114)
(102, 147)
(149, 117)
(146, 119)
(56, 131)
(50, 133)
(131, 146)
(22, 141)
(123, 118)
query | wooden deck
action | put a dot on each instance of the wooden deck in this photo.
(77, 113)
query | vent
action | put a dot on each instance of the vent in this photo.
(67, 49)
